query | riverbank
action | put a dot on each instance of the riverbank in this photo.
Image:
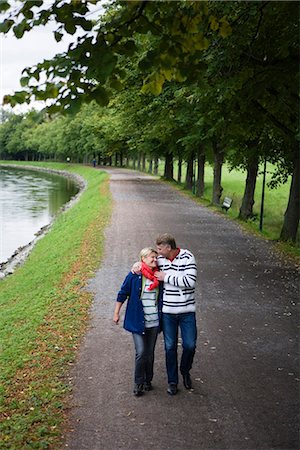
(43, 315)
(19, 256)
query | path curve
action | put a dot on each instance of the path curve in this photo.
(245, 376)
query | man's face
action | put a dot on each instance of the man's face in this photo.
(164, 250)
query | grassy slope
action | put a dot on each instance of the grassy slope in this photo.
(275, 204)
(233, 184)
(43, 312)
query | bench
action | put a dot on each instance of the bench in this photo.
(227, 203)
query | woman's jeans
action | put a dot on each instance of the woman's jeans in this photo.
(144, 355)
(187, 324)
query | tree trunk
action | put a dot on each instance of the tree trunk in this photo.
(150, 165)
(121, 158)
(200, 179)
(139, 162)
(218, 161)
(168, 174)
(143, 162)
(291, 217)
(246, 210)
(179, 169)
(190, 173)
(155, 166)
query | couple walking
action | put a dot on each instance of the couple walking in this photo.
(161, 295)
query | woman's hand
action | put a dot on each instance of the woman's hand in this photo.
(116, 318)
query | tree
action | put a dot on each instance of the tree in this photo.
(90, 66)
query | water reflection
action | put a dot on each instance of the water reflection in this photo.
(28, 201)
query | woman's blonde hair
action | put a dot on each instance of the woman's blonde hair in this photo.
(146, 252)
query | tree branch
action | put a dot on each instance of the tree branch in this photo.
(273, 119)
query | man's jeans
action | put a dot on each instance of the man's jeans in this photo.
(187, 324)
(144, 355)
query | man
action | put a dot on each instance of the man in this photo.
(179, 273)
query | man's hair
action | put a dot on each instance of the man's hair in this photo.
(166, 238)
(146, 252)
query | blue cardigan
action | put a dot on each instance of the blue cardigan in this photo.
(131, 289)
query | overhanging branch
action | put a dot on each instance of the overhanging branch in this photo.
(273, 119)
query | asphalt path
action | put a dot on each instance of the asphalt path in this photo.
(246, 367)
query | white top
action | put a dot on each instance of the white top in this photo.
(149, 300)
(179, 283)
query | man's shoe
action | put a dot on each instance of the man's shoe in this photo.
(138, 390)
(172, 389)
(187, 381)
(148, 386)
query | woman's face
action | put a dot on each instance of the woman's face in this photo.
(150, 260)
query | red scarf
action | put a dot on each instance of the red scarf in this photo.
(149, 273)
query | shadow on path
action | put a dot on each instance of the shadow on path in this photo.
(245, 374)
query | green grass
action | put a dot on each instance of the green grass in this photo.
(233, 184)
(43, 314)
(275, 204)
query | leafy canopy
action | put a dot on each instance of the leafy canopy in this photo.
(90, 67)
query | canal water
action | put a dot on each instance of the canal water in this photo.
(29, 200)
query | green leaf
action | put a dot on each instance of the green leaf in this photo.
(58, 36)
(102, 64)
(36, 75)
(24, 81)
(37, 3)
(155, 85)
(74, 106)
(20, 96)
(145, 64)
(6, 99)
(116, 84)
(6, 26)
(70, 27)
(51, 90)
(4, 6)
(128, 49)
(53, 109)
(100, 95)
(20, 29)
(225, 29)
(28, 14)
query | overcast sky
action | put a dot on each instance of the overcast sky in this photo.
(16, 54)
(35, 46)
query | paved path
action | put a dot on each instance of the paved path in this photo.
(246, 392)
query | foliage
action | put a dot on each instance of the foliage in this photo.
(179, 29)
(165, 78)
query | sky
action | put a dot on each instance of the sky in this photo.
(35, 46)
(16, 54)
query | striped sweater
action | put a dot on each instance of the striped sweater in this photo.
(179, 283)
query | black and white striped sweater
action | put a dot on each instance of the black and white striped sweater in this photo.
(179, 283)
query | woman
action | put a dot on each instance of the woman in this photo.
(142, 316)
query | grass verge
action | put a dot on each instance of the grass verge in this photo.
(233, 183)
(43, 315)
(271, 227)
